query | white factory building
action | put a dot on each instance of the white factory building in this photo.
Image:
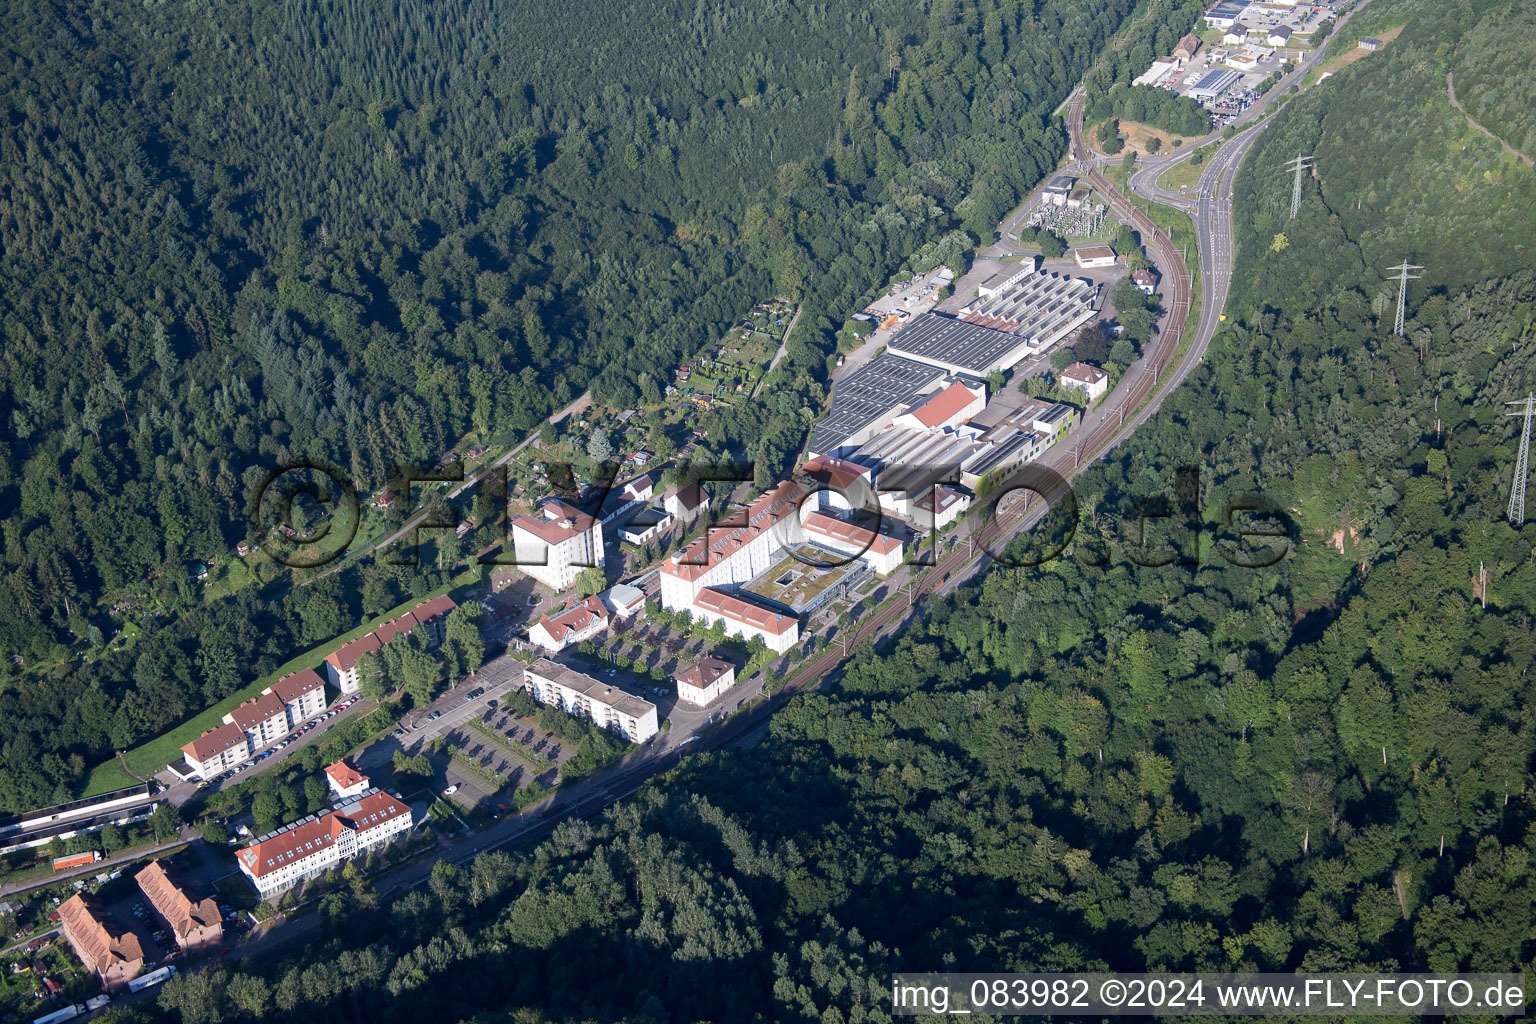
(555, 542)
(602, 703)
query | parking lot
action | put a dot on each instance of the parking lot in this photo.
(296, 738)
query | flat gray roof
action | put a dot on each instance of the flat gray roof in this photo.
(875, 388)
(945, 340)
(621, 701)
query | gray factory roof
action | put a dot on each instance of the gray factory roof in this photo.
(952, 342)
(879, 386)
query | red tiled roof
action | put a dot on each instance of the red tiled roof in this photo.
(555, 522)
(731, 536)
(746, 612)
(345, 775)
(214, 741)
(296, 684)
(944, 405)
(173, 904)
(575, 620)
(345, 656)
(259, 709)
(83, 921)
(297, 843)
(818, 523)
(835, 473)
(944, 497)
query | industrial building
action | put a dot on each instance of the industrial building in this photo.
(1226, 13)
(959, 346)
(1213, 85)
(1038, 310)
(866, 402)
(604, 704)
(29, 829)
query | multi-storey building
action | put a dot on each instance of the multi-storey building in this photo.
(114, 955)
(263, 719)
(430, 617)
(603, 703)
(196, 925)
(314, 844)
(345, 780)
(557, 632)
(556, 542)
(701, 578)
(302, 693)
(882, 552)
(216, 751)
(705, 680)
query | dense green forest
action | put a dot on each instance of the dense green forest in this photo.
(1321, 765)
(238, 235)
(1157, 30)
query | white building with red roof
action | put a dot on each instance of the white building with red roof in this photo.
(939, 507)
(345, 780)
(705, 680)
(217, 750)
(843, 485)
(747, 619)
(302, 693)
(430, 617)
(734, 551)
(882, 552)
(264, 719)
(946, 409)
(555, 633)
(282, 859)
(555, 542)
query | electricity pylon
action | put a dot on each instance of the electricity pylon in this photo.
(1527, 407)
(1403, 277)
(1301, 163)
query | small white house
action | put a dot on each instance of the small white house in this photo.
(1090, 379)
(705, 681)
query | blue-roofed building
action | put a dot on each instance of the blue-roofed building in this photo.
(1226, 13)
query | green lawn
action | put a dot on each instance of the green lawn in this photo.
(1184, 174)
(154, 755)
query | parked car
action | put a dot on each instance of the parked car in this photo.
(450, 790)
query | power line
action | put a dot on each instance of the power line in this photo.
(1527, 407)
(1300, 164)
(1403, 277)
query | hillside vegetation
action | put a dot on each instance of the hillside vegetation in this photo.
(1320, 765)
(234, 236)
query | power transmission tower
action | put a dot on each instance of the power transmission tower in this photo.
(1403, 277)
(1527, 407)
(1301, 163)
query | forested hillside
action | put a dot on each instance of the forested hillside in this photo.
(1321, 765)
(232, 235)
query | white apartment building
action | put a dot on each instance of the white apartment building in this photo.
(345, 781)
(733, 552)
(217, 751)
(314, 844)
(581, 695)
(705, 681)
(302, 693)
(556, 542)
(747, 619)
(555, 633)
(882, 552)
(431, 617)
(264, 720)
